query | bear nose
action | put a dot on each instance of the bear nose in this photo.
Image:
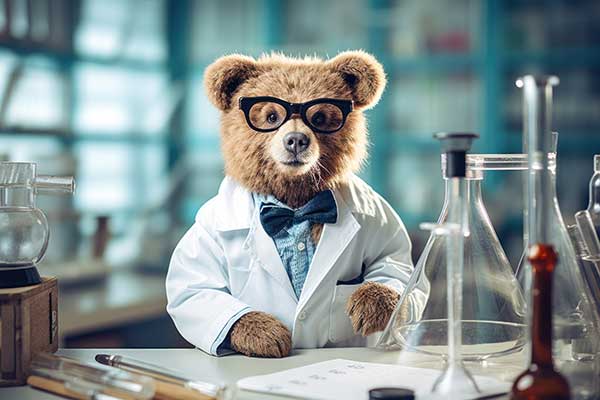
(295, 142)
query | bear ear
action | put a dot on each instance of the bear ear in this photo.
(363, 74)
(223, 77)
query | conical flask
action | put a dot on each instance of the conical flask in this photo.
(493, 316)
(574, 318)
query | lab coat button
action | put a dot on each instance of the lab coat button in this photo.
(302, 316)
(301, 246)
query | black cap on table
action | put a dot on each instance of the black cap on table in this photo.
(391, 394)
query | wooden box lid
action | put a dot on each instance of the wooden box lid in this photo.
(19, 293)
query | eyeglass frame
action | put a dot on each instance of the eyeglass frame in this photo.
(246, 103)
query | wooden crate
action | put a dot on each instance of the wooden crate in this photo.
(28, 325)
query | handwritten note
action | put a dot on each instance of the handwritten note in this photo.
(351, 380)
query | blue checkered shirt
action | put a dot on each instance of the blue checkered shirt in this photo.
(294, 245)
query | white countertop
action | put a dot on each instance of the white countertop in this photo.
(230, 369)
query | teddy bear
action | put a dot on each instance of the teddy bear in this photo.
(295, 250)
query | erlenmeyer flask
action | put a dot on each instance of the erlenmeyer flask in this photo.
(493, 317)
(575, 320)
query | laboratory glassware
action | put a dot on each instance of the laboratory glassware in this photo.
(540, 380)
(594, 204)
(455, 380)
(590, 267)
(493, 321)
(573, 317)
(587, 250)
(76, 373)
(24, 231)
(589, 236)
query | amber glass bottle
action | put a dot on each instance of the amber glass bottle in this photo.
(541, 381)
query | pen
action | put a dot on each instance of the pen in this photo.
(68, 386)
(168, 377)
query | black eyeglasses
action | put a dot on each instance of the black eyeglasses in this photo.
(267, 114)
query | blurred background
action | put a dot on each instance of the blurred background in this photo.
(111, 91)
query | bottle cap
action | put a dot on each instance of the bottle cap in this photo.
(391, 394)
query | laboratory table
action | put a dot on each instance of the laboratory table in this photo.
(230, 369)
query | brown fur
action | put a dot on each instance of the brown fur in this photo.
(351, 75)
(259, 334)
(316, 231)
(370, 307)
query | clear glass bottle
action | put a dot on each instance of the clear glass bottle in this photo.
(573, 317)
(24, 230)
(493, 314)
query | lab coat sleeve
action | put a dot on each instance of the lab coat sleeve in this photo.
(198, 297)
(388, 258)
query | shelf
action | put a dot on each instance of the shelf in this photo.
(68, 58)
(565, 57)
(574, 142)
(70, 137)
(412, 141)
(436, 62)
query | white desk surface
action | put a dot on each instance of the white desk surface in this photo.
(230, 369)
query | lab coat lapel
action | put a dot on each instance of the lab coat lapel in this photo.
(264, 251)
(334, 240)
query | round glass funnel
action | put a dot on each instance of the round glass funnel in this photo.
(493, 316)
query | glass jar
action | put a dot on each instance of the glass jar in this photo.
(24, 231)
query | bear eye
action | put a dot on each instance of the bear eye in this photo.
(318, 119)
(272, 118)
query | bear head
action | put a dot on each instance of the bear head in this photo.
(301, 156)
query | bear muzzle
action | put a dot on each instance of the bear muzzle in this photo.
(296, 142)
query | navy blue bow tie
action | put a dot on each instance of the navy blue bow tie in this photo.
(321, 209)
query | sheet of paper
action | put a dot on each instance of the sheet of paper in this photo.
(351, 380)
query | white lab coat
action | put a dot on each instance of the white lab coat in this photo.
(226, 265)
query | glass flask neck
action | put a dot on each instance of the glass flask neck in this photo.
(471, 190)
(17, 197)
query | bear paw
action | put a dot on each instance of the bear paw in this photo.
(258, 334)
(370, 307)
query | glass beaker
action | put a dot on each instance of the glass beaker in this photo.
(23, 227)
(493, 316)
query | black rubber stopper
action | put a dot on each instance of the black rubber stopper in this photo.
(456, 145)
(11, 277)
(391, 394)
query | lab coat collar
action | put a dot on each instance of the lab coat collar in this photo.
(334, 240)
(235, 206)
